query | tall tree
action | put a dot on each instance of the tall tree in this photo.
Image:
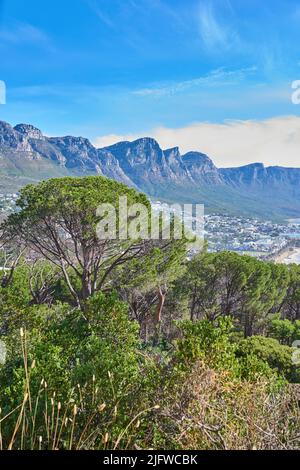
(58, 220)
(290, 307)
(228, 284)
(145, 283)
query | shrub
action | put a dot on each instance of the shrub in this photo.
(282, 330)
(75, 356)
(269, 350)
(210, 411)
(207, 339)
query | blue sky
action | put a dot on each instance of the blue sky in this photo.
(102, 67)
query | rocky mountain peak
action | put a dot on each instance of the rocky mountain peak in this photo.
(11, 139)
(254, 166)
(172, 153)
(146, 141)
(197, 158)
(70, 141)
(5, 128)
(29, 131)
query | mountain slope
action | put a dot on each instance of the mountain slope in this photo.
(26, 155)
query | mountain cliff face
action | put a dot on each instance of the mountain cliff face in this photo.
(27, 155)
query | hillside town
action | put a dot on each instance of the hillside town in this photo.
(245, 235)
(8, 202)
(262, 239)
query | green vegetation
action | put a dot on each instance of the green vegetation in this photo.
(127, 345)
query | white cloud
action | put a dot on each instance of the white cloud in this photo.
(216, 77)
(111, 139)
(273, 141)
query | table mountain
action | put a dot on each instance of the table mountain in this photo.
(27, 155)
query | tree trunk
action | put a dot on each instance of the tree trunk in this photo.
(161, 301)
(248, 330)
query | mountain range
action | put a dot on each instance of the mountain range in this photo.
(26, 155)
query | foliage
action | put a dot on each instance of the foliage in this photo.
(205, 339)
(210, 410)
(128, 344)
(58, 391)
(269, 350)
(58, 220)
(285, 331)
(218, 284)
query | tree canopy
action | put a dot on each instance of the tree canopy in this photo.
(58, 220)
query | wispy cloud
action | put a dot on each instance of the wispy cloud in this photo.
(2, 92)
(217, 77)
(24, 33)
(103, 17)
(216, 33)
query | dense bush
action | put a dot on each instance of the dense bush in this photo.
(71, 353)
(90, 384)
(276, 355)
(285, 331)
